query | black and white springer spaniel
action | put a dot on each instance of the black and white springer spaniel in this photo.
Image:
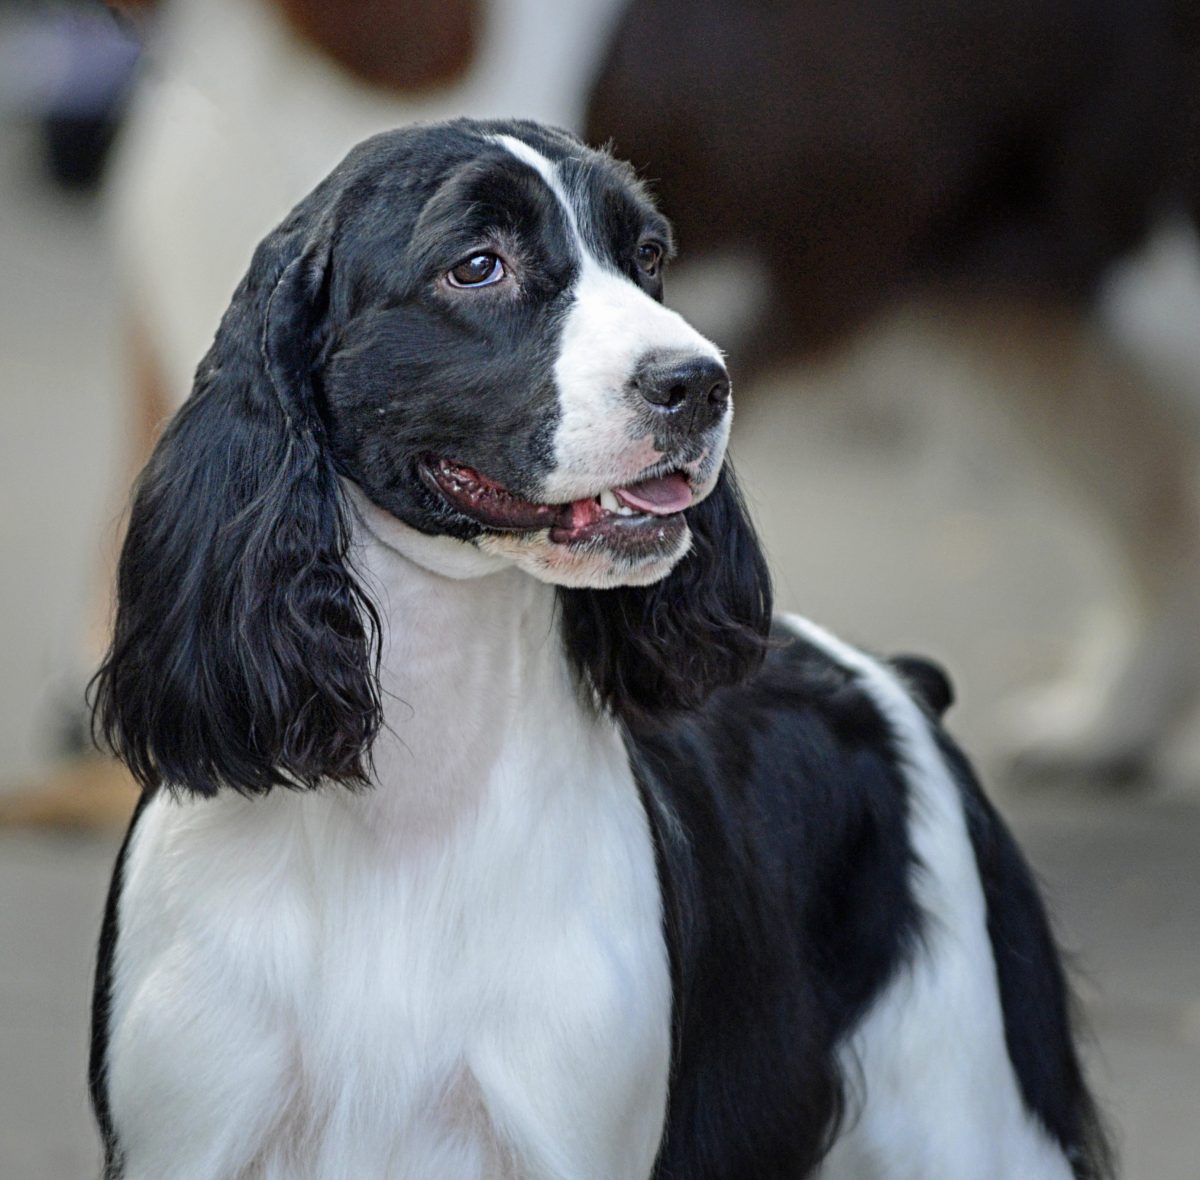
(489, 830)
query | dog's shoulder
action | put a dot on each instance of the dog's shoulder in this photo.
(800, 773)
(780, 813)
(818, 716)
(818, 820)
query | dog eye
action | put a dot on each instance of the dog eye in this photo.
(649, 258)
(480, 270)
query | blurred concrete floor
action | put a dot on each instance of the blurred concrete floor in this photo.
(898, 510)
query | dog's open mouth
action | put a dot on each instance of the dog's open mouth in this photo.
(647, 511)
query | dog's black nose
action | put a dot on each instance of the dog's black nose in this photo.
(696, 388)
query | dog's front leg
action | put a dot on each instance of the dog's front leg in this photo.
(196, 1061)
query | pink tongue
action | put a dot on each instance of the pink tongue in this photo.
(661, 497)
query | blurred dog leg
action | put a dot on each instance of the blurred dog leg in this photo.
(86, 794)
(91, 789)
(1130, 454)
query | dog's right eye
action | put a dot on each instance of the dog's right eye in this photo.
(480, 270)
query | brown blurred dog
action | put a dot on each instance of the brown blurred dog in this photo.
(854, 152)
(848, 153)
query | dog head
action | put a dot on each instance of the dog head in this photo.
(499, 366)
(464, 321)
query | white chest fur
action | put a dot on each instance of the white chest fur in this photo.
(458, 974)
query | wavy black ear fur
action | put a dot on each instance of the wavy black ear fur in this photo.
(653, 651)
(245, 653)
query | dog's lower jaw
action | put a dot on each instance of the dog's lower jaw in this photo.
(593, 566)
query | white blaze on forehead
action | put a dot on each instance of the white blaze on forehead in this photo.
(548, 171)
(611, 326)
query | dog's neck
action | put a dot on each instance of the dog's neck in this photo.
(473, 671)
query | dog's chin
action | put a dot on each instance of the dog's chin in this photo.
(598, 563)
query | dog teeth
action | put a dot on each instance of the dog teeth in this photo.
(610, 504)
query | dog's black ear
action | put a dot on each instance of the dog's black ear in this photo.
(245, 653)
(650, 651)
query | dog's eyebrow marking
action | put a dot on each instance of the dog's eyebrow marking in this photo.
(548, 171)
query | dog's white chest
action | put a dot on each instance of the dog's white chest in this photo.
(483, 994)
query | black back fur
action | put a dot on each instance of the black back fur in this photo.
(779, 810)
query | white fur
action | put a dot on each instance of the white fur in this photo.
(941, 1097)
(458, 975)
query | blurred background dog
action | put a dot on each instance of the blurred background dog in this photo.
(974, 174)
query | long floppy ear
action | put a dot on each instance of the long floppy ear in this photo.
(244, 653)
(650, 651)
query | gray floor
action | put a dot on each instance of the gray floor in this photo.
(898, 511)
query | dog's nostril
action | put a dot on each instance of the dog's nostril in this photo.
(675, 395)
(719, 394)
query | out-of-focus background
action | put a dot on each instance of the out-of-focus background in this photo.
(964, 321)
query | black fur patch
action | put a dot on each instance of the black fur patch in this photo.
(102, 1003)
(778, 812)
